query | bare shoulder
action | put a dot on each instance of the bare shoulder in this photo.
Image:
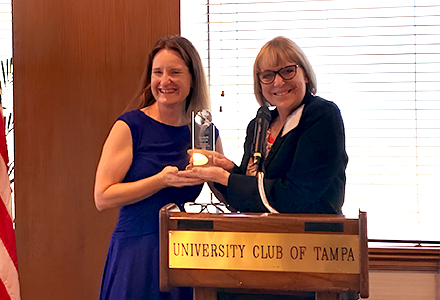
(119, 136)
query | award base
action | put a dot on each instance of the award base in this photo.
(200, 158)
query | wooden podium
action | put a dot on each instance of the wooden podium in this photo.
(264, 256)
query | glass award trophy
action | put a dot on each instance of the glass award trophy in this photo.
(203, 143)
(202, 137)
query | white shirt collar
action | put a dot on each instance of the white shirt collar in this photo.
(292, 120)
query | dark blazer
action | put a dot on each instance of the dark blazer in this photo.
(305, 169)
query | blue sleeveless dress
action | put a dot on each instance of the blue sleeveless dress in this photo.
(132, 266)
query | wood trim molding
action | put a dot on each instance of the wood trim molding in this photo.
(404, 259)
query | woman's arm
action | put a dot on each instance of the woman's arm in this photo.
(116, 159)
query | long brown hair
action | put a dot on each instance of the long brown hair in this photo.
(198, 97)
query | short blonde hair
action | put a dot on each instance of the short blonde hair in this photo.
(278, 52)
(198, 97)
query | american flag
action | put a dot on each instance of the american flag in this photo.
(9, 284)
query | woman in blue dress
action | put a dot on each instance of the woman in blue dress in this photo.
(139, 165)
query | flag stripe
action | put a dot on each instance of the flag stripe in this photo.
(8, 275)
(3, 147)
(5, 188)
(4, 295)
(7, 234)
(9, 283)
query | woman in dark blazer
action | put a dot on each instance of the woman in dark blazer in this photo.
(305, 157)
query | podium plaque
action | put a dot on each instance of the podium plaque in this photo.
(294, 256)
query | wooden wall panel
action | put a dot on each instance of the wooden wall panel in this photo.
(77, 64)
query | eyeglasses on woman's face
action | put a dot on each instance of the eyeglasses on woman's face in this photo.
(287, 73)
